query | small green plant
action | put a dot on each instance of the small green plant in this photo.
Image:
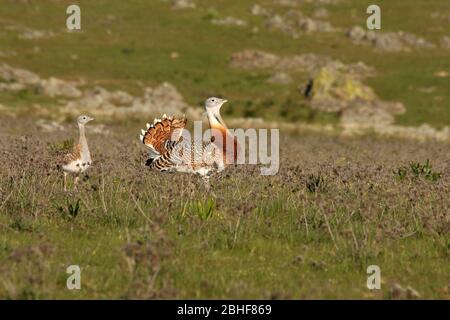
(61, 146)
(418, 170)
(204, 210)
(315, 183)
(210, 15)
(71, 211)
(401, 173)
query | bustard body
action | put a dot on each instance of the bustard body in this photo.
(79, 159)
(169, 150)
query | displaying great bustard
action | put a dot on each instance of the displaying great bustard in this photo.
(170, 150)
(79, 159)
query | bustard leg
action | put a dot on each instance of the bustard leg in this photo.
(65, 181)
(207, 182)
(75, 181)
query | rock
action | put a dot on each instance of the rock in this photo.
(333, 87)
(16, 75)
(387, 41)
(155, 101)
(302, 63)
(5, 54)
(287, 3)
(30, 34)
(414, 41)
(445, 42)
(369, 114)
(356, 33)
(293, 22)
(280, 78)
(253, 59)
(54, 87)
(98, 101)
(182, 4)
(120, 98)
(338, 88)
(310, 25)
(256, 59)
(257, 10)
(320, 13)
(295, 3)
(230, 21)
(441, 74)
(49, 126)
(276, 22)
(17, 79)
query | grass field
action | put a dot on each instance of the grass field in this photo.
(337, 205)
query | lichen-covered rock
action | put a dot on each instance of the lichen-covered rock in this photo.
(335, 88)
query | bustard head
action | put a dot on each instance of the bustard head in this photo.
(84, 119)
(213, 106)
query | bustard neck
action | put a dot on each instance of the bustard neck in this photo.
(215, 120)
(82, 139)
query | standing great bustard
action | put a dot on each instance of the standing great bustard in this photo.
(79, 159)
(169, 150)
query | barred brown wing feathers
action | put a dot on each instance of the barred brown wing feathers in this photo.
(64, 157)
(187, 156)
(162, 130)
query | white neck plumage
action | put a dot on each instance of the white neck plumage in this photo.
(82, 140)
(215, 119)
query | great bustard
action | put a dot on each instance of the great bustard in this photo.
(79, 159)
(169, 150)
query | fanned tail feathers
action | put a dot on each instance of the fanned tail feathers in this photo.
(160, 136)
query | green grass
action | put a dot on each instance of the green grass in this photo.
(310, 231)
